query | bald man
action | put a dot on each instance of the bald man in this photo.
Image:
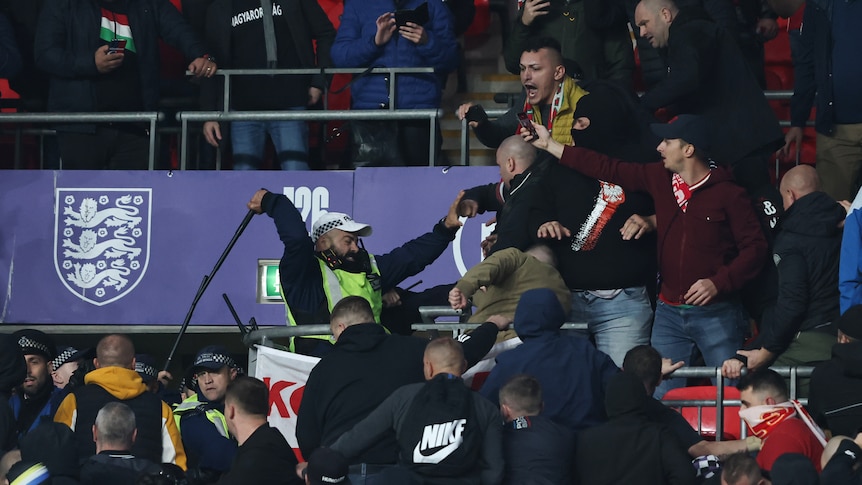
(798, 329)
(115, 380)
(510, 198)
(447, 433)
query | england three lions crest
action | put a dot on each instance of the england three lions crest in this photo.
(102, 241)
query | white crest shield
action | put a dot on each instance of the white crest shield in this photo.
(101, 241)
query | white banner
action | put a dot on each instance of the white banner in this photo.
(285, 374)
(476, 375)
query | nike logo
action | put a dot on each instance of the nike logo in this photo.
(437, 435)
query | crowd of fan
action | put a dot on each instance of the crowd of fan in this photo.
(750, 276)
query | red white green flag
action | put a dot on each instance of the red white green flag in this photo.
(116, 26)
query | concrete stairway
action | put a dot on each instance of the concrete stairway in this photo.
(486, 76)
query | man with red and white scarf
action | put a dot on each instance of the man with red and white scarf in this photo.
(783, 424)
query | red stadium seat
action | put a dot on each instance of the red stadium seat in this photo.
(482, 20)
(706, 427)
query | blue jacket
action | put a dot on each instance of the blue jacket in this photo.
(47, 412)
(812, 71)
(850, 266)
(301, 279)
(354, 47)
(572, 372)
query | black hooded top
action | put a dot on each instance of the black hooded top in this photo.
(12, 373)
(806, 253)
(836, 390)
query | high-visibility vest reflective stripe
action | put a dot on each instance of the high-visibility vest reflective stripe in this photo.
(213, 415)
(336, 285)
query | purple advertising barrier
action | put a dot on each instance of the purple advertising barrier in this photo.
(415, 199)
(131, 248)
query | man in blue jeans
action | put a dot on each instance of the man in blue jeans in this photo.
(709, 240)
(240, 37)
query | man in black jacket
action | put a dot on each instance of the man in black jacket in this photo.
(446, 434)
(263, 457)
(798, 329)
(365, 367)
(836, 385)
(114, 433)
(510, 198)
(647, 453)
(536, 449)
(104, 57)
(12, 373)
(240, 37)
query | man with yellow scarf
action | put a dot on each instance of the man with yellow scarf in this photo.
(549, 97)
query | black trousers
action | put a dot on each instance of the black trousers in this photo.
(109, 148)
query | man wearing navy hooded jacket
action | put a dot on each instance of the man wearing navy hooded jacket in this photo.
(572, 372)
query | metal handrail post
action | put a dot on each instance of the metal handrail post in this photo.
(152, 157)
(392, 90)
(719, 404)
(432, 141)
(793, 384)
(226, 92)
(184, 143)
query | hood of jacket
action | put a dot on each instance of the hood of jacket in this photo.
(123, 384)
(52, 444)
(625, 395)
(793, 469)
(362, 337)
(538, 314)
(849, 357)
(815, 215)
(13, 370)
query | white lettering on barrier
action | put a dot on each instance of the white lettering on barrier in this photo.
(456, 245)
(309, 202)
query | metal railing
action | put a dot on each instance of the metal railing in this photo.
(719, 403)
(64, 118)
(265, 336)
(405, 114)
(390, 113)
(498, 112)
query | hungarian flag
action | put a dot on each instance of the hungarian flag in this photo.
(116, 26)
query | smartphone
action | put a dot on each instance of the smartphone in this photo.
(418, 16)
(524, 120)
(116, 45)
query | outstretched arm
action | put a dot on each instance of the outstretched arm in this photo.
(299, 271)
(415, 255)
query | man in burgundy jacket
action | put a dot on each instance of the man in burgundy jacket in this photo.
(709, 240)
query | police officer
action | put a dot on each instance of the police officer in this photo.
(209, 446)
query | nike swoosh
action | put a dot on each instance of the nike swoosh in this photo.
(438, 455)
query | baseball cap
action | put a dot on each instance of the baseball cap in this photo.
(71, 354)
(213, 357)
(145, 366)
(34, 341)
(327, 466)
(690, 128)
(850, 323)
(338, 220)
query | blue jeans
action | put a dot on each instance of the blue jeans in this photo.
(290, 139)
(717, 330)
(617, 324)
